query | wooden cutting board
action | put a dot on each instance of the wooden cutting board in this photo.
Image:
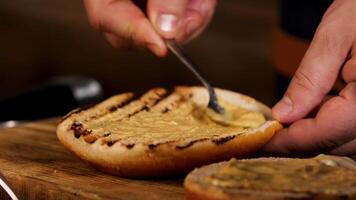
(38, 167)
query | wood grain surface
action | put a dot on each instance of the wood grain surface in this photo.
(38, 167)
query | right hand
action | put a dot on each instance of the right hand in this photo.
(331, 54)
(125, 24)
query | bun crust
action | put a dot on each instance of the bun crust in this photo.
(165, 159)
(322, 177)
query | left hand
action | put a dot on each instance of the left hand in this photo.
(333, 129)
(125, 25)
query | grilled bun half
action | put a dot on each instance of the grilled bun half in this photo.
(164, 132)
(322, 177)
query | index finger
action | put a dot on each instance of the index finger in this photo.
(334, 125)
(318, 69)
(125, 20)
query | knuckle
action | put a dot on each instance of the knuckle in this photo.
(129, 32)
(330, 39)
(325, 34)
(311, 81)
(303, 81)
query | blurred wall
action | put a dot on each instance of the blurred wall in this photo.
(40, 39)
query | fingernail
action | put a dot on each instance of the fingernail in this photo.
(283, 108)
(167, 22)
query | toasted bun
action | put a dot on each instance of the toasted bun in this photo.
(322, 177)
(164, 159)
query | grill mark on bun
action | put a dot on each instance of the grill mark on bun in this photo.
(152, 146)
(130, 98)
(165, 110)
(148, 101)
(107, 133)
(111, 142)
(79, 130)
(162, 96)
(222, 140)
(76, 111)
(130, 146)
(155, 96)
(175, 104)
(188, 144)
(183, 98)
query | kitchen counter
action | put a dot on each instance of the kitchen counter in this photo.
(37, 166)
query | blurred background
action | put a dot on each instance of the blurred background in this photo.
(42, 39)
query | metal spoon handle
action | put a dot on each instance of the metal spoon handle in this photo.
(179, 52)
(7, 188)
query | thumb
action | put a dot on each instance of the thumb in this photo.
(166, 16)
(315, 76)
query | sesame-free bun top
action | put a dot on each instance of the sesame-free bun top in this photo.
(163, 133)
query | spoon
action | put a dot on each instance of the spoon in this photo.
(187, 61)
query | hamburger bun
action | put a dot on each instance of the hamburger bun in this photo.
(322, 177)
(160, 133)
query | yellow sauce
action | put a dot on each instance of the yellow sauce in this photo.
(184, 124)
(293, 175)
(236, 116)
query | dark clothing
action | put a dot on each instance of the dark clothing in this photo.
(298, 18)
(301, 17)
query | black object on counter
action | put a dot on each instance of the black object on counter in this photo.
(54, 98)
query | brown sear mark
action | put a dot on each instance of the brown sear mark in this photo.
(165, 110)
(182, 98)
(134, 113)
(111, 142)
(125, 102)
(79, 130)
(155, 145)
(152, 101)
(76, 111)
(106, 134)
(189, 144)
(130, 146)
(152, 146)
(77, 127)
(146, 108)
(222, 140)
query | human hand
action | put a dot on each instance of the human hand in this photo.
(125, 24)
(333, 129)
